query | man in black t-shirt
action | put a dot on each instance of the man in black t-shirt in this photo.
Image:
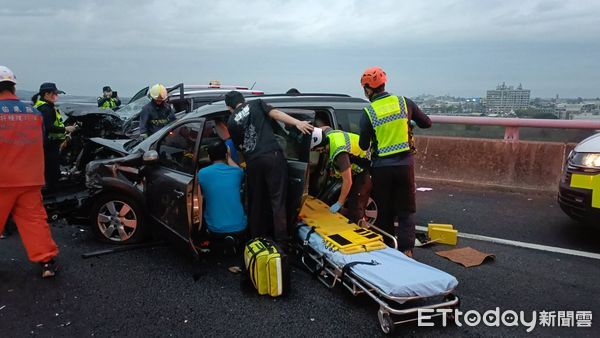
(266, 167)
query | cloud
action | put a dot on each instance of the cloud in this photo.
(228, 23)
(81, 43)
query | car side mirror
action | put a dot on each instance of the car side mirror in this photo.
(150, 156)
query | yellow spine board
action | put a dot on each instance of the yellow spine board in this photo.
(353, 241)
(337, 232)
(316, 214)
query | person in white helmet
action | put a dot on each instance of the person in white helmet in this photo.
(348, 162)
(22, 174)
(157, 113)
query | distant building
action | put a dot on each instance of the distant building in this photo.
(566, 111)
(589, 110)
(586, 116)
(506, 98)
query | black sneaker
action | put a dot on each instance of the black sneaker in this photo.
(49, 269)
(229, 246)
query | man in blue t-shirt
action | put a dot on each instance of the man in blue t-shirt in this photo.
(220, 184)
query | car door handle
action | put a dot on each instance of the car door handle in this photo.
(179, 194)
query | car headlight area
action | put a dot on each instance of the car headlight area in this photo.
(587, 160)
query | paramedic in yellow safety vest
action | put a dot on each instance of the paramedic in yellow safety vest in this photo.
(109, 99)
(351, 164)
(54, 132)
(384, 128)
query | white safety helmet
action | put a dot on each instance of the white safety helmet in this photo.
(316, 138)
(7, 75)
(158, 92)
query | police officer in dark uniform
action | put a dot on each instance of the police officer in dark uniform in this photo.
(157, 113)
(54, 132)
(109, 99)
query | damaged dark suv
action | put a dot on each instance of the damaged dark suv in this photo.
(156, 186)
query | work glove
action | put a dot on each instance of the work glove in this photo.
(335, 208)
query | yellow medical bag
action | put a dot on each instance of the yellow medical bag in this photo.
(267, 267)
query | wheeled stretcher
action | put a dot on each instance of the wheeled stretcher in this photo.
(398, 284)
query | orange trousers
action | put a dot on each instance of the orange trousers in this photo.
(25, 205)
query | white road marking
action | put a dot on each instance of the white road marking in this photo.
(524, 245)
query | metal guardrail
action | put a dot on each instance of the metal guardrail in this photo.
(512, 125)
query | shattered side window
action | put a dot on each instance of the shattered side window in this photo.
(349, 120)
(131, 109)
(176, 149)
(291, 140)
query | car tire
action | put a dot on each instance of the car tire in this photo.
(371, 211)
(118, 218)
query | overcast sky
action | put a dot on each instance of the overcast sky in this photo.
(455, 47)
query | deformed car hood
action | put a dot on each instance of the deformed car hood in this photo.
(97, 111)
(112, 167)
(116, 145)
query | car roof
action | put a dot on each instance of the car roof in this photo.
(198, 86)
(215, 91)
(193, 90)
(316, 100)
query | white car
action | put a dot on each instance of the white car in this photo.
(579, 188)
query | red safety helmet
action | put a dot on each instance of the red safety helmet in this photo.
(374, 77)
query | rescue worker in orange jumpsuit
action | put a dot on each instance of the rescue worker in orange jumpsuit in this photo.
(22, 174)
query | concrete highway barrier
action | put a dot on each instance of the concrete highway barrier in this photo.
(520, 164)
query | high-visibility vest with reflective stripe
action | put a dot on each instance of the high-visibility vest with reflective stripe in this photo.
(389, 118)
(343, 142)
(109, 104)
(57, 122)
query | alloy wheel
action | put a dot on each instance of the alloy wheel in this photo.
(117, 221)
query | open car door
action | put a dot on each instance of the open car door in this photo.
(174, 201)
(296, 147)
(143, 92)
